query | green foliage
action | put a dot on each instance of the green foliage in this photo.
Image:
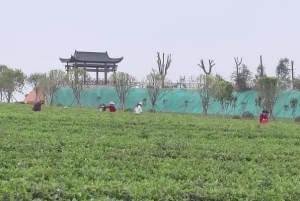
(282, 69)
(11, 81)
(268, 89)
(243, 79)
(261, 72)
(76, 79)
(50, 83)
(34, 79)
(123, 83)
(153, 85)
(79, 154)
(222, 91)
(205, 90)
(297, 83)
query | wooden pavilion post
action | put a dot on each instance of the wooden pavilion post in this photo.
(105, 74)
(84, 75)
(76, 74)
(68, 67)
(97, 75)
(114, 68)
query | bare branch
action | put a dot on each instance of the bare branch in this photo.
(211, 64)
(163, 65)
(238, 62)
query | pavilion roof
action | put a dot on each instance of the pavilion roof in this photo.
(92, 57)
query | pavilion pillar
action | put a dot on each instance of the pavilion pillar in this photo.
(84, 75)
(68, 67)
(105, 74)
(97, 75)
(114, 68)
(76, 73)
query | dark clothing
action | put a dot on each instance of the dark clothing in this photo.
(37, 106)
(263, 117)
(111, 108)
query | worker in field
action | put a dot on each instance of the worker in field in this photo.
(111, 107)
(263, 118)
(138, 108)
(37, 106)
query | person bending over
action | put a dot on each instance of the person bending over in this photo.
(37, 106)
(138, 108)
(111, 107)
(263, 118)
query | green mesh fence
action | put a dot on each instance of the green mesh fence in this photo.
(177, 100)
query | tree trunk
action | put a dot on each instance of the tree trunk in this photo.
(153, 107)
(204, 109)
(9, 97)
(122, 105)
(36, 94)
(78, 101)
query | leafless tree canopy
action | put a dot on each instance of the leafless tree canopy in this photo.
(163, 66)
(210, 65)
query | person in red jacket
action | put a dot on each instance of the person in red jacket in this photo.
(111, 107)
(263, 118)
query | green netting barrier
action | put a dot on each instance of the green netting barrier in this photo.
(177, 100)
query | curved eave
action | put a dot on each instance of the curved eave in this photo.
(111, 60)
(64, 60)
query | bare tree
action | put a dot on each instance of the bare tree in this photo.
(153, 84)
(205, 85)
(123, 84)
(51, 83)
(163, 66)
(210, 65)
(76, 80)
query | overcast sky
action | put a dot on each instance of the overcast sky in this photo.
(35, 33)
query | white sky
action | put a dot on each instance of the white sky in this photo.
(35, 33)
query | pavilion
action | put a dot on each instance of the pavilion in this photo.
(92, 62)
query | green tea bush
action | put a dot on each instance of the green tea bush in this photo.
(81, 154)
(128, 110)
(236, 117)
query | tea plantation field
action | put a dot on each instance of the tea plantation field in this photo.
(82, 154)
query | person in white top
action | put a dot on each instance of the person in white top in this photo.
(138, 108)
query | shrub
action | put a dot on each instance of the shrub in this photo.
(128, 110)
(236, 117)
(297, 119)
(247, 115)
